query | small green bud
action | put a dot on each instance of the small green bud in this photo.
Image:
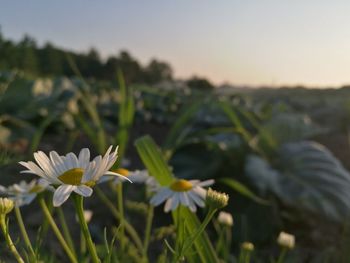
(216, 199)
(6, 206)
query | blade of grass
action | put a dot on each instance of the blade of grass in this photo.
(233, 117)
(243, 190)
(176, 134)
(125, 115)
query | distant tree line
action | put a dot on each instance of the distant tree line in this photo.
(50, 60)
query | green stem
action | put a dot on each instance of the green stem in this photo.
(128, 227)
(179, 234)
(24, 233)
(82, 243)
(228, 232)
(148, 231)
(282, 255)
(45, 225)
(8, 239)
(66, 231)
(188, 243)
(121, 211)
(244, 256)
(57, 231)
(78, 202)
(220, 245)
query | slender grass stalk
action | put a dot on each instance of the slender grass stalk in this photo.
(66, 232)
(148, 229)
(244, 256)
(57, 232)
(179, 231)
(78, 202)
(282, 255)
(121, 211)
(228, 239)
(82, 243)
(128, 227)
(25, 234)
(45, 225)
(220, 245)
(8, 239)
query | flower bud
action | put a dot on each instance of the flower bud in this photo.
(6, 206)
(225, 219)
(247, 246)
(216, 199)
(88, 215)
(286, 240)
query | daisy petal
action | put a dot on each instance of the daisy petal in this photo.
(184, 198)
(192, 206)
(119, 175)
(45, 163)
(84, 158)
(200, 191)
(206, 183)
(71, 161)
(161, 196)
(197, 199)
(26, 200)
(175, 202)
(83, 190)
(57, 162)
(62, 193)
(168, 204)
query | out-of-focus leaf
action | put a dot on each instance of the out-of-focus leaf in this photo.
(305, 176)
(285, 127)
(40, 132)
(232, 114)
(176, 132)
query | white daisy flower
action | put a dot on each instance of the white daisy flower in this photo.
(24, 193)
(71, 173)
(188, 193)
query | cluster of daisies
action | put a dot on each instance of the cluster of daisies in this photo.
(79, 174)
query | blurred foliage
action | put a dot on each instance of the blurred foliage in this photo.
(259, 144)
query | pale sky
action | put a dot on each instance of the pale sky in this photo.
(254, 42)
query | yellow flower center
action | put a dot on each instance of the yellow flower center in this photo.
(122, 171)
(36, 189)
(181, 185)
(72, 176)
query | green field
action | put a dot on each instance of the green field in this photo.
(280, 154)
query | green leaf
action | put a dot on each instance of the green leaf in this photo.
(176, 133)
(284, 128)
(307, 177)
(40, 131)
(243, 190)
(157, 167)
(152, 158)
(234, 118)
